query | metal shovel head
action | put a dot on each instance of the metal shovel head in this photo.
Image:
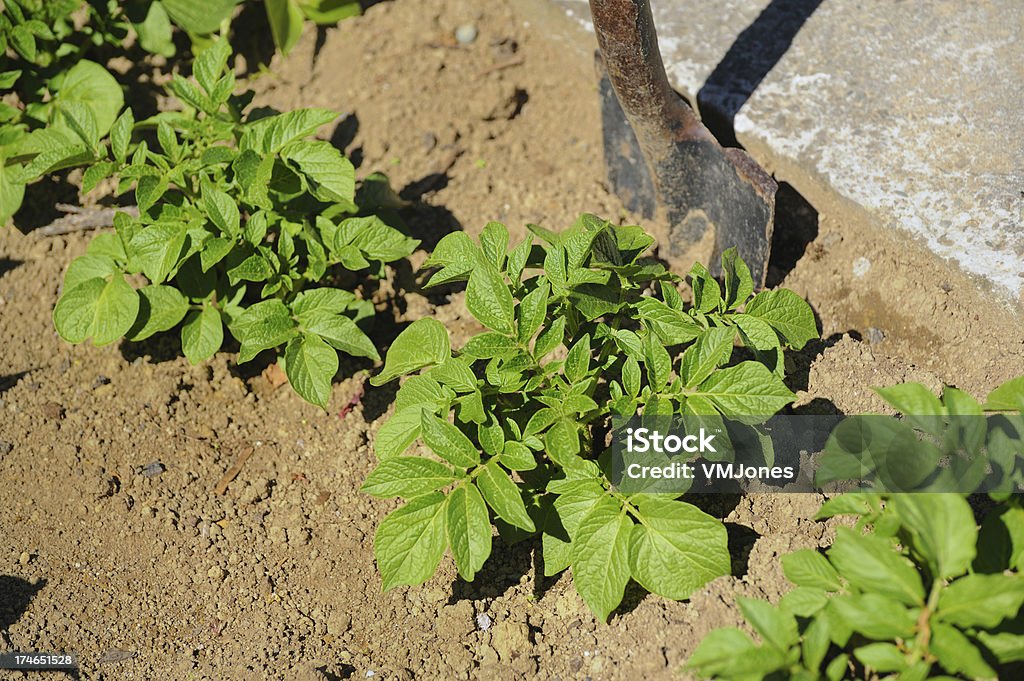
(689, 182)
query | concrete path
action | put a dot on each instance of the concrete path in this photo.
(910, 112)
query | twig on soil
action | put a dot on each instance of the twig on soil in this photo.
(500, 66)
(232, 473)
(79, 219)
(353, 401)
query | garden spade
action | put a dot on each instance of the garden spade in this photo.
(662, 161)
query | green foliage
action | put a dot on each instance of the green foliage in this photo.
(952, 443)
(61, 105)
(581, 327)
(924, 594)
(239, 219)
(286, 17)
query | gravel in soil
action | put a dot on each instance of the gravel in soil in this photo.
(118, 545)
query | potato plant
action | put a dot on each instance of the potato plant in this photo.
(240, 219)
(915, 590)
(581, 327)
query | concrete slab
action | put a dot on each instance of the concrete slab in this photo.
(910, 112)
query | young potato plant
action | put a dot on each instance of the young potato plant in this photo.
(952, 443)
(582, 327)
(239, 219)
(923, 595)
(61, 105)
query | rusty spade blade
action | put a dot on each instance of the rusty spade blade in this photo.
(661, 160)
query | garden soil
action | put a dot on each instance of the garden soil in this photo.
(117, 545)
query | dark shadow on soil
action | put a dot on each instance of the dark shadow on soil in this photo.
(344, 135)
(15, 596)
(798, 376)
(157, 349)
(338, 672)
(7, 264)
(751, 57)
(502, 571)
(741, 543)
(427, 222)
(796, 226)
(39, 208)
(8, 381)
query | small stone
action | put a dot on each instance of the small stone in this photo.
(465, 34)
(861, 266)
(24, 558)
(875, 335)
(483, 621)
(151, 470)
(278, 534)
(5, 448)
(215, 573)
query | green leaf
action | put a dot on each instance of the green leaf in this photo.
(331, 176)
(912, 399)
(374, 239)
(747, 389)
(942, 529)
(957, 654)
(90, 85)
(210, 64)
(98, 309)
(253, 268)
(881, 657)
(729, 653)
(156, 249)
(160, 309)
(448, 442)
(518, 457)
(532, 310)
(469, 530)
(707, 294)
(397, 433)
(777, 628)
(503, 496)
(285, 23)
(270, 135)
(1007, 397)
(872, 564)
(408, 477)
(677, 548)
(562, 442)
(201, 17)
(202, 334)
(310, 364)
(491, 436)
(981, 600)
(221, 209)
(712, 350)
(330, 11)
(600, 557)
(809, 568)
(262, 326)
(657, 361)
(738, 283)
(341, 332)
(804, 601)
(875, 616)
(154, 31)
(549, 339)
(577, 362)
(86, 267)
(213, 251)
(787, 313)
(411, 540)
(422, 343)
(12, 191)
(672, 326)
(456, 374)
(490, 301)
(494, 242)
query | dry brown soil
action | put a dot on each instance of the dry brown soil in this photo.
(116, 546)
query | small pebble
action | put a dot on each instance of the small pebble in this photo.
(483, 621)
(465, 34)
(24, 558)
(151, 470)
(215, 573)
(875, 335)
(861, 266)
(6, 447)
